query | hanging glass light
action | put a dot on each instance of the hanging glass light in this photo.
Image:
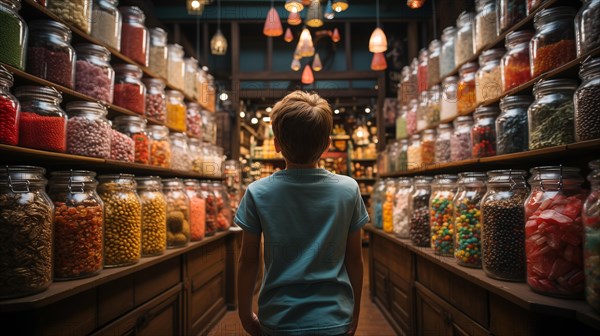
(378, 41)
(316, 65)
(288, 37)
(329, 14)
(294, 6)
(378, 63)
(335, 37)
(294, 19)
(340, 5)
(295, 64)
(307, 75)
(195, 7)
(272, 25)
(305, 44)
(218, 44)
(313, 18)
(414, 4)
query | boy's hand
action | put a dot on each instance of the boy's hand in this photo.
(252, 325)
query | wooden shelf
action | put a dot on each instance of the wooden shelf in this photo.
(20, 155)
(365, 179)
(371, 160)
(272, 160)
(63, 289)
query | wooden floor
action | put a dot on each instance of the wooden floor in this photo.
(371, 323)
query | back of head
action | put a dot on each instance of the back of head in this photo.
(302, 123)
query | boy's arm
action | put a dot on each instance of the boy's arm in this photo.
(354, 266)
(246, 280)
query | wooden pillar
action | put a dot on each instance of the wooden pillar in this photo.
(413, 39)
(380, 118)
(235, 90)
(206, 42)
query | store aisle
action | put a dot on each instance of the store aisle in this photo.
(372, 322)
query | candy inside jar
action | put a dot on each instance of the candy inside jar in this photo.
(591, 246)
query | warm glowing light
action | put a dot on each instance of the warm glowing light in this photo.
(313, 18)
(242, 114)
(336, 111)
(378, 41)
(272, 25)
(218, 44)
(378, 63)
(367, 110)
(340, 5)
(288, 37)
(269, 109)
(267, 119)
(307, 75)
(195, 4)
(329, 13)
(294, 19)
(335, 37)
(293, 6)
(295, 64)
(305, 46)
(316, 65)
(254, 121)
(224, 96)
(359, 134)
(414, 4)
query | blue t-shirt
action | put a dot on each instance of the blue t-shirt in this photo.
(305, 216)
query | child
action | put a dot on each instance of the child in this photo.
(310, 220)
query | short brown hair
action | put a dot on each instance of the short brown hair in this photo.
(302, 123)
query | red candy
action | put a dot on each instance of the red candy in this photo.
(9, 125)
(43, 132)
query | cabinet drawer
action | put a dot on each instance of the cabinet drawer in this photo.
(206, 256)
(464, 295)
(400, 302)
(73, 316)
(115, 299)
(206, 297)
(381, 280)
(156, 279)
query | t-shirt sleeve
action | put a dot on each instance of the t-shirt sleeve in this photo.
(360, 216)
(246, 216)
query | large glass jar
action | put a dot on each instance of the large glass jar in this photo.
(463, 49)
(224, 214)
(587, 27)
(197, 210)
(189, 78)
(433, 64)
(420, 232)
(443, 143)
(402, 162)
(532, 5)
(75, 12)
(377, 197)
(411, 117)
(196, 155)
(88, 130)
(122, 147)
(107, 22)
(50, 55)
(447, 64)
(233, 182)
(13, 35)
(485, 24)
(401, 130)
(154, 215)
(392, 151)
(180, 156)
(587, 118)
(209, 127)
(434, 97)
(553, 44)
(176, 66)
(9, 110)
(94, 76)
(158, 52)
(160, 146)
(156, 102)
(551, 115)
(511, 125)
(401, 214)
(78, 224)
(135, 128)
(510, 12)
(176, 110)
(488, 80)
(122, 220)
(408, 90)
(388, 205)
(428, 147)
(422, 75)
(441, 214)
(449, 103)
(193, 122)
(591, 246)
(414, 152)
(211, 208)
(502, 226)
(467, 219)
(178, 213)
(461, 147)
(483, 133)
(466, 95)
(135, 39)
(422, 111)
(42, 122)
(26, 216)
(515, 63)
(553, 232)
(130, 92)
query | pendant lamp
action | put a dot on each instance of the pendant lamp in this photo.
(316, 65)
(218, 44)
(293, 6)
(328, 14)
(313, 18)
(295, 64)
(305, 44)
(378, 63)
(294, 19)
(378, 41)
(340, 5)
(335, 37)
(272, 25)
(288, 37)
(414, 4)
(307, 75)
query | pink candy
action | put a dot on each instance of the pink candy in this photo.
(93, 81)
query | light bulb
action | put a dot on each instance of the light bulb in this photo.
(367, 110)
(195, 4)
(254, 121)
(242, 114)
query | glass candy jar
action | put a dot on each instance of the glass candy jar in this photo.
(13, 35)
(467, 219)
(156, 101)
(209, 127)
(176, 110)
(94, 76)
(157, 62)
(434, 97)
(428, 147)
(485, 24)
(9, 110)
(135, 128)
(189, 78)
(197, 210)
(551, 116)
(160, 146)
(401, 214)
(422, 111)
(422, 75)
(175, 66)
(420, 232)
(130, 92)
(42, 122)
(122, 219)
(135, 39)
(107, 22)
(178, 213)
(466, 93)
(402, 162)
(483, 133)
(463, 49)
(433, 63)
(75, 12)
(502, 229)
(388, 205)
(587, 27)
(26, 216)
(78, 224)
(443, 143)
(488, 80)
(447, 64)
(414, 152)
(50, 55)
(591, 246)
(180, 156)
(196, 155)
(88, 130)
(411, 117)
(553, 232)
(401, 130)
(553, 44)
(377, 197)
(587, 118)
(449, 103)
(511, 125)
(154, 215)
(224, 214)
(461, 146)
(441, 214)
(510, 12)
(515, 64)
(194, 120)
(211, 208)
